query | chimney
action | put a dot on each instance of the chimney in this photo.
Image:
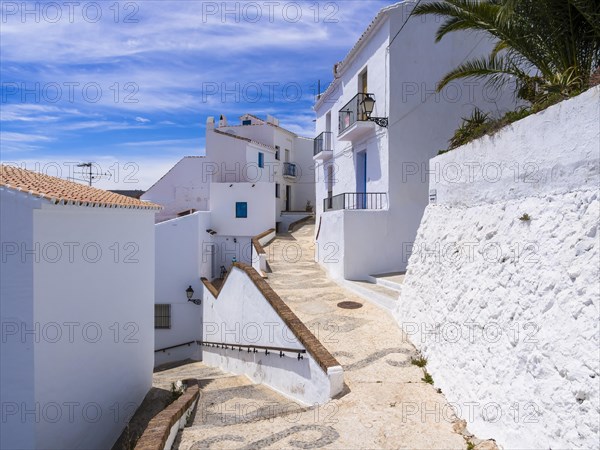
(272, 120)
(210, 123)
(222, 121)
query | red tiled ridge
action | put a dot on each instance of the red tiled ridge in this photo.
(58, 190)
(241, 138)
(157, 432)
(256, 241)
(310, 342)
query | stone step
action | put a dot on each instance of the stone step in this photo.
(380, 295)
(389, 280)
(233, 401)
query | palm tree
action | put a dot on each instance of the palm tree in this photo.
(550, 48)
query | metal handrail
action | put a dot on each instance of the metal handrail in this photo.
(356, 200)
(352, 112)
(289, 169)
(323, 143)
(174, 346)
(254, 348)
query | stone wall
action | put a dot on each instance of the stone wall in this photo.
(502, 290)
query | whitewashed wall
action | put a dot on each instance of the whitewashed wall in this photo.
(108, 295)
(182, 258)
(515, 302)
(242, 315)
(81, 362)
(404, 65)
(261, 208)
(186, 186)
(16, 314)
(304, 186)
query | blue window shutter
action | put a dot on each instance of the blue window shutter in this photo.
(241, 210)
(261, 160)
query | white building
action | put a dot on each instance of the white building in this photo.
(256, 151)
(76, 305)
(372, 180)
(255, 176)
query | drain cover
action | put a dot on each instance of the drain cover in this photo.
(349, 305)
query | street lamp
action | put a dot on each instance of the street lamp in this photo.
(368, 104)
(189, 292)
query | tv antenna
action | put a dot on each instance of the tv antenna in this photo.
(88, 175)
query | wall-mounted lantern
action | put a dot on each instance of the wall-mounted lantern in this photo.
(189, 292)
(368, 104)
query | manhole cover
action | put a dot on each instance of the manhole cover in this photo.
(349, 305)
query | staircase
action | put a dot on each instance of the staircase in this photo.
(383, 290)
(227, 403)
(392, 281)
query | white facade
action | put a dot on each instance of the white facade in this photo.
(242, 315)
(181, 189)
(76, 309)
(232, 156)
(201, 229)
(383, 172)
(506, 309)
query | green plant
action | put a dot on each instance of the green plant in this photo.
(419, 362)
(480, 124)
(427, 378)
(471, 128)
(525, 218)
(470, 445)
(176, 391)
(548, 48)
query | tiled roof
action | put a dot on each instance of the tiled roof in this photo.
(252, 115)
(244, 139)
(262, 125)
(57, 190)
(339, 67)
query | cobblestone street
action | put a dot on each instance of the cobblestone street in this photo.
(385, 403)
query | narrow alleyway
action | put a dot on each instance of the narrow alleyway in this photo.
(385, 404)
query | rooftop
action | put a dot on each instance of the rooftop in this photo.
(57, 190)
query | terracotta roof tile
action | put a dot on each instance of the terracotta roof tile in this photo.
(58, 190)
(242, 138)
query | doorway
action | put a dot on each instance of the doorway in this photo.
(288, 198)
(361, 179)
(330, 186)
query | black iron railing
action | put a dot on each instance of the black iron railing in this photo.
(323, 143)
(289, 169)
(352, 112)
(254, 348)
(356, 200)
(175, 346)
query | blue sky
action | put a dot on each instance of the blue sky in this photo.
(129, 85)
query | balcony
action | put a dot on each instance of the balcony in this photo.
(353, 121)
(356, 200)
(323, 146)
(289, 170)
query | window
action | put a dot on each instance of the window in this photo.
(241, 210)
(363, 82)
(246, 122)
(277, 152)
(277, 190)
(261, 160)
(162, 317)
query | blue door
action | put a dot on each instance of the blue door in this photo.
(361, 180)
